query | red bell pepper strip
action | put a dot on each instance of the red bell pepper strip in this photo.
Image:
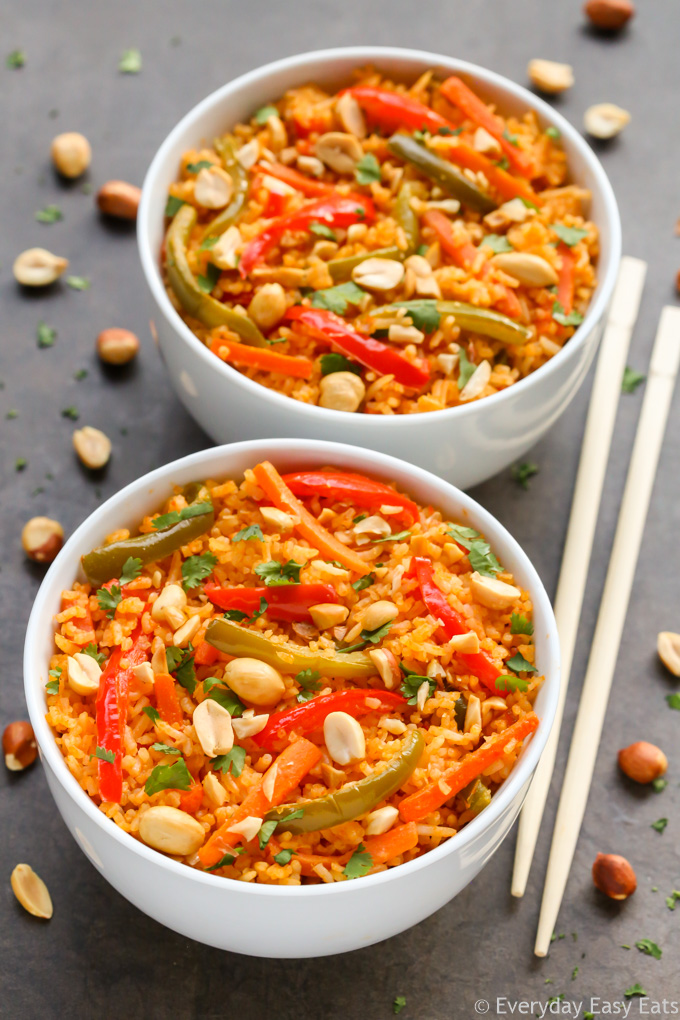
(330, 328)
(458, 93)
(565, 283)
(452, 623)
(357, 490)
(334, 210)
(111, 713)
(167, 701)
(310, 716)
(393, 110)
(505, 184)
(288, 602)
(431, 798)
(262, 358)
(307, 185)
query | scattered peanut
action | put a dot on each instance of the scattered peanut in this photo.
(378, 614)
(609, 15)
(42, 538)
(248, 827)
(254, 681)
(493, 593)
(31, 891)
(614, 876)
(351, 115)
(399, 334)
(37, 267)
(19, 746)
(386, 664)
(341, 152)
(213, 728)
(119, 199)
(530, 270)
(186, 632)
(268, 305)
(224, 253)
(328, 614)
(477, 382)
(549, 76)
(83, 673)
(482, 141)
(277, 518)
(170, 830)
(381, 820)
(668, 647)
(249, 724)
(642, 762)
(378, 274)
(605, 120)
(92, 446)
(373, 525)
(467, 643)
(213, 188)
(117, 346)
(344, 738)
(341, 391)
(71, 154)
(172, 597)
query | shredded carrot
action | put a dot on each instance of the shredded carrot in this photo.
(268, 478)
(565, 283)
(296, 180)
(462, 254)
(458, 93)
(504, 183)
(289, 769)
(381, 848)
(432, 797)
(167, 701)
(260, 357)
(190, 800)
(205, 654)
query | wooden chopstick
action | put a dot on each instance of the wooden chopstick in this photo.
(663, 370)
(597, 437)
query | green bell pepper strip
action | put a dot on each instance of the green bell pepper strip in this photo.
(230, 638)
(468, 317)
(106, 561)
(190, 296)
(354, 799)
(341, 269)
(442, 172)
(225, 150)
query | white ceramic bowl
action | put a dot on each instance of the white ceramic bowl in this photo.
(465, 444)
(278, 921)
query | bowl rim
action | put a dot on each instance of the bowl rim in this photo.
(317, 451)
(373, 54)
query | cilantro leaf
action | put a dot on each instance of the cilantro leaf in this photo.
(671, 900)
(71, 412)
(265, 833)
(659, 825)
(151, 713)
(510, 138)
(520, 625)
(631, 380)
(228, 858)
(423, 314)
(46, 335)
(283, 857)
(462, 535)
(208, 243)
(195, 168)
(649, 948)
(635, 989)
(309, 682)
(559, 315)
(363, 582)
(518, 664)
(15, 60)
(400, 1000)
(207, 281)
(104, 755)
(175, 516)
(460, 711)
(553, 132)
(50, 214)
(510, 683)
(274, 573)
(570, 235)
(673, 701)
(78, 282)
(164, 748)
(483, 560)
(466, 368)
(245, 534)
(173, 204)
(132, 568)
(52, 686)
(412, 683)
(168, 777)
(91, 650)
(196, 568)
(130, 62)
(233, 761)
(659, 784)
(333, 362)
(181, 665)
(497, 242)
(228, 700)
(109, 600)
(396, 537)
(322, 230)
(523, 472)
(262, 115)
(336, 299)
(367, 169)
(359, 864)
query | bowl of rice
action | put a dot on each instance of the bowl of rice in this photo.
(380, 246)
(289, 694)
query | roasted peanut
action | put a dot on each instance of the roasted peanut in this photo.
(117, 346)
(71, 154)
(42, 538)
(19, 746)
(119, 199)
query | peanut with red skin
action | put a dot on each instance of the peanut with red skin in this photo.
(19, 746)
(614, 876)
(642, 762)
(610, 15)
(119, 199)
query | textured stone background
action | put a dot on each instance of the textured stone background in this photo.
(99, 957)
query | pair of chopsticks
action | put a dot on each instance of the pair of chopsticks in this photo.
(597, 440)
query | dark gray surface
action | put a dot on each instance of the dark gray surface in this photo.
(100, 957)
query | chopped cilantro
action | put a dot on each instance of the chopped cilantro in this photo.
(168, 777)
(631, 380)
(194, 168)
(52, 687)
(130, 62)
(91, 650)
(462, 535)
(175, 516)
(483, 560)
(359, 864)
(570, 235)
(173, 204)
(523, 472)
(518, 664)
(510, 138)
(553, 132)
(252, 531)
(264, 113)
(510, 683)
(359, 518)
(109, 599)
(283, 857)
(574, 974)
(336, 299)
(497, 242)
(237, 616)
(520, 625)
(659, 825)
(78, 282)
(164, 748)
(503, 163)
(181, 665)
(71, 412)
(659, 784)
(466, 368)
(228, 700)
(396, 537)
(400, 1000)
(266, 832)
(50, 214)
(132, 568)
(228, 858)
(559, 315)
(151, 713)
(423, 314)
(673, 701)
(207, 281)
(196, 568)
(333, 362)
(15, 60)
(233, 761)
(449, 131)
(671, 900)
(20, 463)
(363, 582)
(80, 374)
(104, 755)
(46, 335)
(412, 683)
(274, 573)
(322, 230)
(209, 243)
(367, 169)
(649, 948)
(12, 413)
(635, 989)
(309, 682)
